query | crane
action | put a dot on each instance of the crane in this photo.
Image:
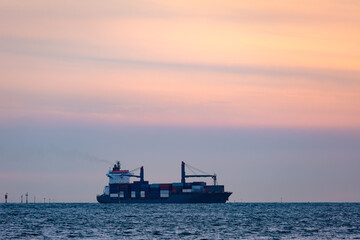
(184, 176)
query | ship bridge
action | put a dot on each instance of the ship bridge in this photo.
(116, 175)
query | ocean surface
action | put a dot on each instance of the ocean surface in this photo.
(180, 221)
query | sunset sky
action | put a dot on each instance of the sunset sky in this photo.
(268, 87)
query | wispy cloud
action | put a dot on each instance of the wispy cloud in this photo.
(49, 49)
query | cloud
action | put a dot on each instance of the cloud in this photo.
(48, 49)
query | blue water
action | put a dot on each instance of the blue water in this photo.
(181, 221)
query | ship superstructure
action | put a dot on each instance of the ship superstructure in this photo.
(120, 190)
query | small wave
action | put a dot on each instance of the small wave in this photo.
(185, 221)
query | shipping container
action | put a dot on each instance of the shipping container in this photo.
(155, 185)
(165, 186)
(216, 189)
(114, 195)
(177, 184)
(121, 194)
(114, 188)
(124, 185)
(185, 190)
(135, 188)
(199, 183)
(155, 192)
(141, 183)
(145, 187)
(176, 189)
(197, 188)
(154, 195)
(164, 193)
(187, 185)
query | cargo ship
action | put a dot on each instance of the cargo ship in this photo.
(120, 190)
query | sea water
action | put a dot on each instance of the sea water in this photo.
(180, 221)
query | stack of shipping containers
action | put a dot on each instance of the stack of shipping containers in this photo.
(165, 190)
(140, 189)
(198, 186)
(155, 190)
(177, 188)
(124, 190)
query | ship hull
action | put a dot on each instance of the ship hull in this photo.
(174, 198)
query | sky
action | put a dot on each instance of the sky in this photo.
(264, 93)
